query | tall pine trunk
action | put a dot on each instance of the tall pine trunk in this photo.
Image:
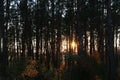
(3, 28)
(110, 42)
(2, 53)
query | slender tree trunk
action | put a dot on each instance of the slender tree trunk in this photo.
(101, 41)
(110, 43)
(41, 46)
(53, 35)
(46, 48)
(106, 46)
(37, 43)
(2, 53)
(102, 53)
(91, 40)
(58, 43)
(17, 37)
(3, 33)
(116, 47)
(78, 28)
(22, 11)
(86, 39)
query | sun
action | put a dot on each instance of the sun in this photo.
(74, 46)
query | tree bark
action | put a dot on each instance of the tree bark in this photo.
(3, 33)
(110, 43)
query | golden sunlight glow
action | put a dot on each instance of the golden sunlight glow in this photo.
(66, 45)
(74, 46)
